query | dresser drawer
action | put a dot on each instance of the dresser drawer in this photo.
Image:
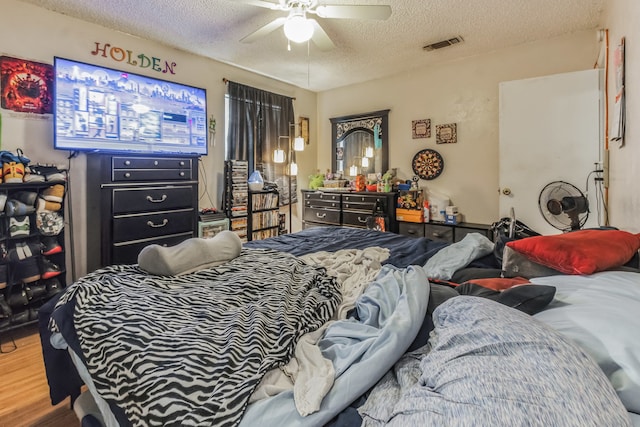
(151, 199)
(441, 233)
(331, 204)
(355, 219)
(132, 175)
(465, 228)
(146, 225)
(363, 203)
(325, 216)
(411, 229)
(127, 253)
(150, 163)
(321, 199)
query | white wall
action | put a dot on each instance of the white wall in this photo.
(29, 32)
(623, 20)
(463, 92)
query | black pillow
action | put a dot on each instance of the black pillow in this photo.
(530, 299)
(437, 295)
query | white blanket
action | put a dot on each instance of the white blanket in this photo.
(309, 374)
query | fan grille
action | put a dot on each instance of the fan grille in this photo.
(563, 206)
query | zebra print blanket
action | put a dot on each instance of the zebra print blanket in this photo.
(189, 350)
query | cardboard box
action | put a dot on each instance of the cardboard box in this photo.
(409, 215)
(453, 219)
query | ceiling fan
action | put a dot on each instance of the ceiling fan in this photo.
(299, 28)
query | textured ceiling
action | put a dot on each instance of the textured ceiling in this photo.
(365, 50)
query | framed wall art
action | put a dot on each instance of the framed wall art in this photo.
(304, 129)
(446, 134)
(421, 128)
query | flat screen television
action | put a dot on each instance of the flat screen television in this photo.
(105, 110)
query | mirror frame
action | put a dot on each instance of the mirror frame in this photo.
(343, 126)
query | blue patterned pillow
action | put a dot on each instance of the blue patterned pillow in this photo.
(488, 364)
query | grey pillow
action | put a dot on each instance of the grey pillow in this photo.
(191, 255)
(514, 264)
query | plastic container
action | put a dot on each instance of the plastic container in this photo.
(438, 203)
(255, 181)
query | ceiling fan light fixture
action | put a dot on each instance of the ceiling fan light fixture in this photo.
(298, 28)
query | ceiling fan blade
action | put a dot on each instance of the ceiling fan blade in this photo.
(261, 3)
(354, 12)
(261, 32)
(320, 38)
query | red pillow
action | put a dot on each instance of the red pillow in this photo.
(580, 252)
(499, 283)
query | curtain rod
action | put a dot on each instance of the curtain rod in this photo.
(226, 80)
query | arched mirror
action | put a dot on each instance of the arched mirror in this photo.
(360, 143)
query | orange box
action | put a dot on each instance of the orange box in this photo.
(409, 215)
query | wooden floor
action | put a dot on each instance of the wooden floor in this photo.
(24, 393)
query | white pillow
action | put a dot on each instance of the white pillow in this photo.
(191, 255)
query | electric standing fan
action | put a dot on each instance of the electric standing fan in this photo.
(564, 206)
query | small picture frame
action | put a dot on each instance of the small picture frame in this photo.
(421, 128)
(209, 229)
(304, 129)
(446, 134)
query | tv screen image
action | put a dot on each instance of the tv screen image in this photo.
(105, 110)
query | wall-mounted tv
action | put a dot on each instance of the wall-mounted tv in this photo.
(105, 110)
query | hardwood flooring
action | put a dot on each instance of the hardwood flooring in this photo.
(24, 393)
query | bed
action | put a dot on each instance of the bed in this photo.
(343, 326)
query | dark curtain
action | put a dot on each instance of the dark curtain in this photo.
(258, 123)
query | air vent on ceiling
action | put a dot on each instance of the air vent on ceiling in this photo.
(443, 43)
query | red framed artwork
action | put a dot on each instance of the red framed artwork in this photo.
(26, 86)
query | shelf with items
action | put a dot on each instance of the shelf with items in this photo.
(236, 196)
(409, 206)
(32, 249)
(264, 214)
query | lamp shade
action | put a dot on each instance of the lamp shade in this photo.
(298, 143)
(365, 162)
(353, 170)
(368, 152)
(278, 156)
(293, 169)
(298, 28)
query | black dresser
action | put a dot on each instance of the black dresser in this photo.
(349, 209)
(134, 201)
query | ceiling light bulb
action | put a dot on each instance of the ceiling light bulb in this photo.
(298, 143)
(298, 28)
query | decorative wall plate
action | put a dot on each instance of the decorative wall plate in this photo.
(427, 164)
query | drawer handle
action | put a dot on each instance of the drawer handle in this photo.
(437, 234)
(363, 221)
(164, 222)
(160, 200)
(319, 215)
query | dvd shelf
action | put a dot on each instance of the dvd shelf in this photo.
(264, 218)
(236, 195)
